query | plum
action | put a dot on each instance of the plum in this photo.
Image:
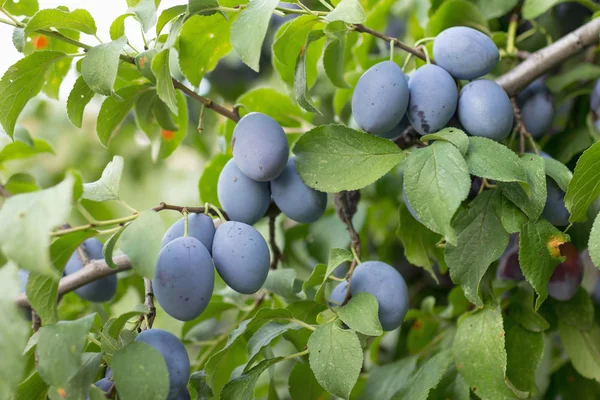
(184, 278)
(241, 256)
(554, 210)
(567, 276)
(100, 290)
(338, 294)
(433, 99)
(484, 109)
(465, 52)
(294, 198)
(509, 267)
(260, 147)
(380, 98)
(595, 99)
(537, 108)
(243, 199)
(200, 226)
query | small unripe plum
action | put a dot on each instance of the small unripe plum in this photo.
(338, 294)
(387, 285)
(294, 198)
(243, 199)
(567, 276)
(484, 109)
(433, 99)
(184, 278)
(175, 355)
(465, 52)
(200, 226)
(100, 290)
(241, 256)
(380, 98)
(537, 108)
(554, 210)
(260, 147)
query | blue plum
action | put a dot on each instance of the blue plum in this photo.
(175, 355)
(294, 198)
(537, 108)
(243, 199)
(509, 267)
(465, 52)
(338, 294)
(23, 278)
(183, 395)
(398, 130)
(595, 99)
(260, 147)
(554, 210)
(200, 226)
(184, 278)
(387, 285)
(380, 98)
(241, 256)
(341, 270)
(567, 276)
(484, 109)
(433, 99)
(596, 292)
(100, 290)
(409, 207)
(104, 384)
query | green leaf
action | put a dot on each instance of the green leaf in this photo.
(559, 172)
(249, 29)
(301, 88)
(80, 96)
(21, 183)
(18, 39)
(109, 248)
(534, 8)
(168, 15)
(149, 380)
(27, 220)
(524, 350)
(273, 103)
(335, 358)
(59, 349)
(386, 380)
(512, 217)
(198, 382)
(569, 144)
(145, 12)
(141, 241)
(349, 11)
(78, 386)
(164, 81)
(583, 348)
(578, 73)
(18, 150)
(361, 313)
(585, 185)
(283, 282)
(377, 18)
(107, 187)
(207, 186)
(481, 358)
(113, 112)
(33, 388)
(521, 310)
(14, 331)
(100, 64)
(436, 181)
(336, 258)
(302, 383)
(78, 20)
(143, 62)
(242, 387)
(204, 7)
(317, 277)
(265, 335)
(289, 42)
(144, 117)
(202, 43)
(333, 56)
(332, 158)
(594, 242)
(426, 378)
(452, 135)
(418, 241)
(481, 240)
(22, 82)
(455, 13)
(117, 28)
(577, 312)
(492, 160)
(495, 8)
(539, 254)
(170, 140)
(531, 204)
(21, 7)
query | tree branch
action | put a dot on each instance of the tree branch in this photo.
(149, 301)
(346, 204)
(543, 60)
(398, 43)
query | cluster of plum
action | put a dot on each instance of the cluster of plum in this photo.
(260, 169)
(565, 279)
(176, 358)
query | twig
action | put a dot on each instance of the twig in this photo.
(149, 301)
(346, 203)
(36, 322)
(520, 125)
(4, 192)
(397, 43)
(408, 138)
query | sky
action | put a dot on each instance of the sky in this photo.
(103, 11)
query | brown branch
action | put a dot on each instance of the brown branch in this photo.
(149, 301)
(519, 124)
(193, 210)
(397, 43)
(408, 138)
(545, 59)
(36, 321)
(4, 192)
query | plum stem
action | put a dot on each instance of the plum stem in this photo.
(185, 223)
(277, 255)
